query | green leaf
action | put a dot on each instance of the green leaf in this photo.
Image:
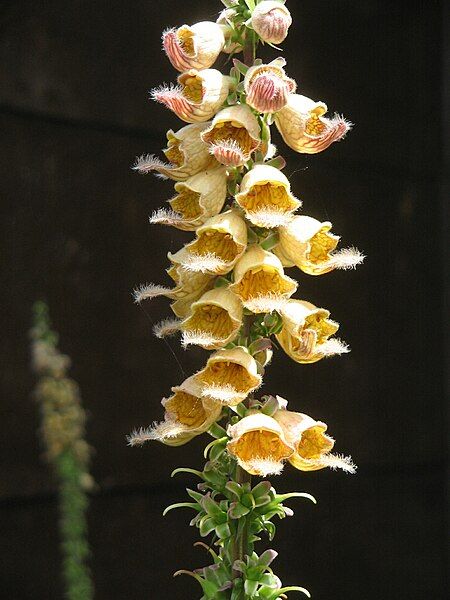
(284, 590)
(193, 505)
(223, 531)
(261, 489)
(187, 470)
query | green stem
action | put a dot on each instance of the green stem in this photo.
(73, 503)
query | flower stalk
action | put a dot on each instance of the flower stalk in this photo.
(232, 294)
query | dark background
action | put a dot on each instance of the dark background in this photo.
(74, 113)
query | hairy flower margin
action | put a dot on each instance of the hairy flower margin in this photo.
(231, 293)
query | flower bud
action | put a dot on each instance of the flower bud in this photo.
(271, 21)
(267, 86)
(195, 47)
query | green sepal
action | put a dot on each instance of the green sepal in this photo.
(223, 531)
(237, 510)
(284, 590)
(251, 588)
(261, 489)
(193, 505)
(240, 66)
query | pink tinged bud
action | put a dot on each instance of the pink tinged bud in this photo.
(195, 47)
(271, 21)
(267, 87)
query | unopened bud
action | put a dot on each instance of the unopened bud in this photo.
(271, 21)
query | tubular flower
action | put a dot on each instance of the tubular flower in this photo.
(198, 198)
(312, 445)
(267, 86)
(233, 135)
(306, 332)
(194, 47)
(271, 21)
(189, 287)
(214, 320)
(187, 415)
(220, 242)
(265, 196)
(305, 129)
(229, 376)
(259, 444)
(260, 281)
(308, 244)
(186, 152)
(198, 96)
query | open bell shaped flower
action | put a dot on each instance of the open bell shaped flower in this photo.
(305, 129)
(259, 444)
(189, 287)
(266, 198)
(309, 244)
(267, 86)
(306, 333)
(198, 198)
(194, 47)
(187, 415)
(260, 282)
(220, 242)
(233, 135)
(198, 96)
(312, 445)
(186, 152)
(214, 320)
(271, 21)
(229, 376)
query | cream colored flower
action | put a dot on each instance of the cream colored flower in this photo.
(265, 196)
(186, 152)
(312, 445)
(305, 129)
(194, 47)
(306, 332)
(308, 244)
(229, 376)
(259, 444)
(271, 21)
(214, 320)
(267, 86)
(233, 135)
(220, 242)
(198, 198)
(189, 287)
(260, 281)
(187, 415)
(198, 96)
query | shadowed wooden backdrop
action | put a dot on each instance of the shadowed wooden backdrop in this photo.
(74, 112)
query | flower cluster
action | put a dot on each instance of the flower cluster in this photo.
(231, 291)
